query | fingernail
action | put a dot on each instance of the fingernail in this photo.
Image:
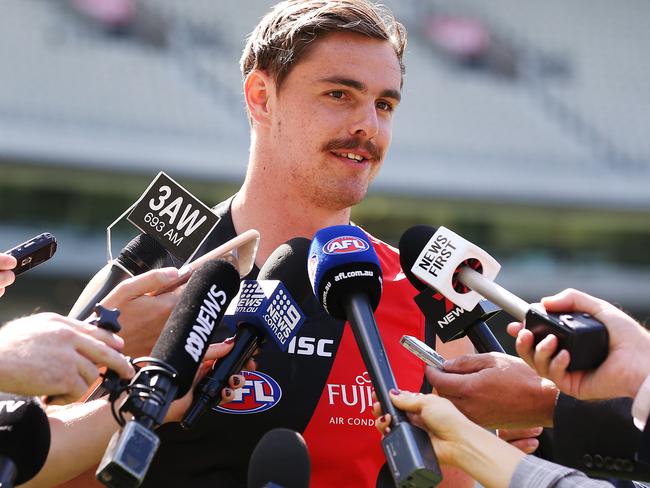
(538, 430)
(236, 380)
(227, 392)
(230, 340)
(382, 419)
(394, 391)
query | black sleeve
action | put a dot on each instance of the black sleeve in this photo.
(598, 437)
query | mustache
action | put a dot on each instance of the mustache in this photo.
(352, 143)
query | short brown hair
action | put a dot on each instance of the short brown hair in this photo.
(280, 40)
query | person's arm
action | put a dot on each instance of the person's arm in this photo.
(461, 443)
(533, 472)
(7, 263)
(80, 432)
(456, 440)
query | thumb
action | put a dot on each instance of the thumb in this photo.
(468, 363)
(145, 283)
(571, 300)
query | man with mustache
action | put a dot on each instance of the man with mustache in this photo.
(321, 83)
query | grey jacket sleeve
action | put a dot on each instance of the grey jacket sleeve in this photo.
(533, 472)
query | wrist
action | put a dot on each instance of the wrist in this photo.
(488, 459)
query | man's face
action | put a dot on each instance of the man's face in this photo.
(331, 119)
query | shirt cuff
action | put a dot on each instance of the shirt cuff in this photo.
(641, 405)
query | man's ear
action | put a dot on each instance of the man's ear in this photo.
(258, 88)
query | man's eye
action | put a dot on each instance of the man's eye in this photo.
(336, 94)
(385, 106)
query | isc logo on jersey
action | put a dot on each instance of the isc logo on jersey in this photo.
(345, 245)
(259, 393)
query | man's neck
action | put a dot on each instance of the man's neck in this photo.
(278, 215)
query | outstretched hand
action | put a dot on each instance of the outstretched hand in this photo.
(622, 372)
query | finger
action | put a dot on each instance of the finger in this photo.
(524, 345)
(7, 278)
(227, 394)
(7, 261)
(99, 353)
(218, 349)
(376, 409)
(408, 401)
(557, 369)
(515, 434)
(88, 372)
(573, 300)
(107, 337)
(468, 363)
(526, 445)
(382, 423)
(544, 351)
(443, 383)
(236, 381)
(251, 364)
(142, 284)
(513, 328)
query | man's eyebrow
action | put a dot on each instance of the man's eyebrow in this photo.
(357, 85)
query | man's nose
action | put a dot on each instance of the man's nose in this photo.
(365, 122)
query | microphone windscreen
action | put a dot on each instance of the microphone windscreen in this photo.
(187, 333)
(24, 435)
(279, 459)
(141, 254)
(342, 261)
(411, 244)
(288, 264)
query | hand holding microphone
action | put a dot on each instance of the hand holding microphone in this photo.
(623, 371)
(169, 373)
(463, 272)
(48, 354)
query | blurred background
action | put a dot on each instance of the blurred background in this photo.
(523, 127)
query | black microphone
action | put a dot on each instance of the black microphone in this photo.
(169, 374)
(280, 459)
(463, 272)
(448, 319)
(266, 307)
(347, 279)
(24, 439)
(141, 254)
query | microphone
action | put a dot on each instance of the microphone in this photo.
(24, 439)
(141, 254)
(169, 374)
(264, 308)
(448, 319)
(280, 459)
(463, 273)
(346, 277)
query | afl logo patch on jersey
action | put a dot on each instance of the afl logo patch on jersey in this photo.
(259, 393)
(345, 245)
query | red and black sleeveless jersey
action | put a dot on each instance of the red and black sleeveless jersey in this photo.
(319, 387)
